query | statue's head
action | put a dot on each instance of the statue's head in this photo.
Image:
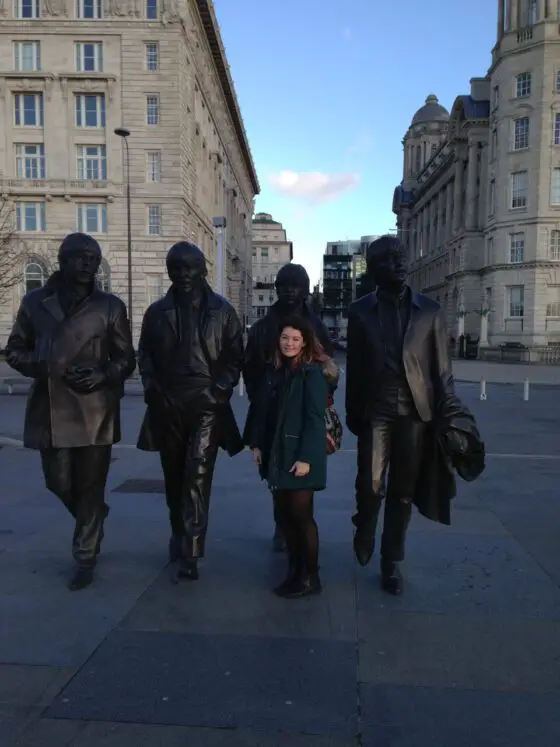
(387, 264)
(186, 267)
(79, 257)
(292, 286)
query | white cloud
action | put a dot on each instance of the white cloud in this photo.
(313, 186)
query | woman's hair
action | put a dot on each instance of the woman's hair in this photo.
(312, 351)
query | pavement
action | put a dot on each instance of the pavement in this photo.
(469, 655)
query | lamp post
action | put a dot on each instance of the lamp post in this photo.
(123, 133)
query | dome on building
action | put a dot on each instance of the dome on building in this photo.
(432, 111)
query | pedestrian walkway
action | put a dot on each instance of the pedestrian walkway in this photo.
(468, 656)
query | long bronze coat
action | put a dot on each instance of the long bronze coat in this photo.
(221, 335)
(45, 343)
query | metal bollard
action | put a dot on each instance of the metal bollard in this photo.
(241, 386)
(483, 396)
(525, 390)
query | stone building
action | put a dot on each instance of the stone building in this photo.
(479, 203)
(271, 251)
(71, 72)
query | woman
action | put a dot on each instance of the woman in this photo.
(288, 440)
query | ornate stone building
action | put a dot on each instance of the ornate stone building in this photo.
(479, 203)
(271, 251)
(71, 72)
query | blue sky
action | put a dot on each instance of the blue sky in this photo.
(327, 90)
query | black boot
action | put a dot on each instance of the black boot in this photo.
(364, 544)
(391, 577)
(82, 577)
(293, 577)
(308, 585)
(188, 570)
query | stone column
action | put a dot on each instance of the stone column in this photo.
(448, 209)
(458, 193)
(513, 14)
(472, 171)
(441, 206)
(427, 232)
(483, 198)
(501, 10)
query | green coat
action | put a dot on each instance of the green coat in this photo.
(300, 432)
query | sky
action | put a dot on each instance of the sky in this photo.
(327, 90)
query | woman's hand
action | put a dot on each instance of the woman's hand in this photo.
(301, 469)
(257, 457)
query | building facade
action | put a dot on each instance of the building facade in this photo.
(479, 203)
(71, 72)
(343, 264)
(271, 251)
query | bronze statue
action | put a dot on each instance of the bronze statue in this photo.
(400, 399)
(292, 289)
(190, 359)
(75, 341)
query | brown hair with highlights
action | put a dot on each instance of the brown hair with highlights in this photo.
(312, 351)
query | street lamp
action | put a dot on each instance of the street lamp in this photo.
(123, 133)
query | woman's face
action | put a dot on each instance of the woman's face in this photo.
(291, 342)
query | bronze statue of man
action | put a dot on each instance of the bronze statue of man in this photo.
(190, 359)
(292, 288)
(74, 341)
(398, 374)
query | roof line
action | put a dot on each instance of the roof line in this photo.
(211, 29)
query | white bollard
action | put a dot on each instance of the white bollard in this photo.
(525, 390)
(483, 396)
(241, 386)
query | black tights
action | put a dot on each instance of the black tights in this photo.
(294, 514)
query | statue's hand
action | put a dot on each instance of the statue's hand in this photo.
(85, 380)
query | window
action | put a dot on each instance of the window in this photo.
(30, 161)
(521, 133)
(151, 10)
(27, 56)
(155, 288)
(553, 309)
(516, 248)
(34, 276)
(92, 218)
(153, 166)
(30, 216)
(492, 198)
(154, 220)
(516, 301)
(532, 12)
(28, 109)
(555, 187)
(558, 81)
(89, 9)
(103, 278)
(557, 129)
(264, 252)
(519, 183)
(152, 109)
(523, 85)
(152, 56)
(91, 162)
(494, 145)
(554, 249)
(90, 110)
(26, 9)
(89, 57)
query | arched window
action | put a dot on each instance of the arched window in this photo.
(35, 275)
(103, 278)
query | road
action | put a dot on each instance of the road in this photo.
(468, 656)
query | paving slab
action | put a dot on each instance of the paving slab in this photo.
(299, 685)
(234, 597)
(394, 716)
(404, 648)
(450, 574)
(58, 733)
